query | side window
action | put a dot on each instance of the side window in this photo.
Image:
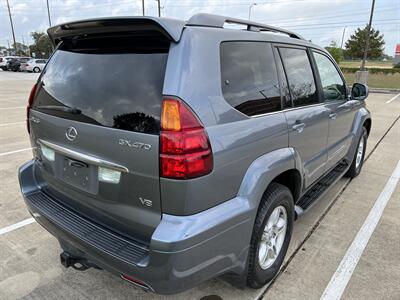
(300, 76)
(283, 80)
(248, 77)
(332, 84)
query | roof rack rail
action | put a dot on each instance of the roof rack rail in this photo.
(211, 20)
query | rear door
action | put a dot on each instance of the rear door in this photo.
(307, 118)
(96, 121)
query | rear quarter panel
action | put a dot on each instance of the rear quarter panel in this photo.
(193, 74)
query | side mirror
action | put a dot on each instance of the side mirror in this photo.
(359, 91)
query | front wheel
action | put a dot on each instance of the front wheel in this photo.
(271, 235)
(358, 159)
(36, 70)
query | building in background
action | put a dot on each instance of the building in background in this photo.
(396, 59)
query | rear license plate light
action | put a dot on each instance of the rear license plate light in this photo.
(48, 153)
(108, 175)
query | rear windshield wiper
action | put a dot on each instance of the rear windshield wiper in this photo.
(72, 110)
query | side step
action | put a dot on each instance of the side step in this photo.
(319, 188)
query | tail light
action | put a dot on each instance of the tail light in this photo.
(29, 106)
(185, 150)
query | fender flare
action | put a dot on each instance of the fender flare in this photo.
(361, 116)
(263, 170)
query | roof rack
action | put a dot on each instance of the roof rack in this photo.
(211, 20)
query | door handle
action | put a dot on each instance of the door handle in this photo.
(333, 116)
(299, 127)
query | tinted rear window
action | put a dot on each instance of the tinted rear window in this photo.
(249, 78)
(116, 85)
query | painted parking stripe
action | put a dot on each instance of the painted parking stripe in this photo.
(394, 98)
(15, 107)
(340, 279)
(15, 151)
(14, 123)
(16, 225)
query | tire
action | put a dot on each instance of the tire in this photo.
(36, 70)
(260, 271)
(356, 164)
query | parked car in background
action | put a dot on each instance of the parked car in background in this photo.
(33, 65)
(4, 60)
(14, 63)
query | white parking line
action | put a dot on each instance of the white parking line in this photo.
(16, 225)
(15, 151)
(14, 123)
(340, 279)
(15, 107)
(394, 98)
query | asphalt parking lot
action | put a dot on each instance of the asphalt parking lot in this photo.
(349, 241)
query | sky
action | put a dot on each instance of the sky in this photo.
(321, 21)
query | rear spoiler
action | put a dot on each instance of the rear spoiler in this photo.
(171, 28)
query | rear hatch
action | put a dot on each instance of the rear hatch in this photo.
(95, 121)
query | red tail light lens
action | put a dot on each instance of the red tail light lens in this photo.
(185, 150)
(29, 106)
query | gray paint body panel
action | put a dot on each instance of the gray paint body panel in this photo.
(117, 205)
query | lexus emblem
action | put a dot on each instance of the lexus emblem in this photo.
(71, 133)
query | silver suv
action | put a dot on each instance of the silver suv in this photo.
(171, 152)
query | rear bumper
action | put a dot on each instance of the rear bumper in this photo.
(183, 251)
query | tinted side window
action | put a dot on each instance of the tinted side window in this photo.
(283, 80)
(300, 76)
(248, 77)
(332, 84)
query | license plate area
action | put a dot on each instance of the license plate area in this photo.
(79, 174)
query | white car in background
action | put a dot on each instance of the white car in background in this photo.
(35, 65)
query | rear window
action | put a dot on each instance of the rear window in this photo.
(112, 82)
(249, 78)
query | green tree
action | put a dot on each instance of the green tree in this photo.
(21, 49)
(356, 44)
(41, 47)
(335, 51)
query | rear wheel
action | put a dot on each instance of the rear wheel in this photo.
(271, 235)
(36, 70)
(358, 159)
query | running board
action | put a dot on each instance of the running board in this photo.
(319, 188)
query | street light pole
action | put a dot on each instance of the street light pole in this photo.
(159, 8)
(48, 12)
(250, 7)
(143, 7)
(12, 25)
(367, 37)
(344, 30)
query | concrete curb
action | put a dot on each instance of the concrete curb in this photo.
(384, 91)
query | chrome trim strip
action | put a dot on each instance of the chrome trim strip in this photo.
(84, 157)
